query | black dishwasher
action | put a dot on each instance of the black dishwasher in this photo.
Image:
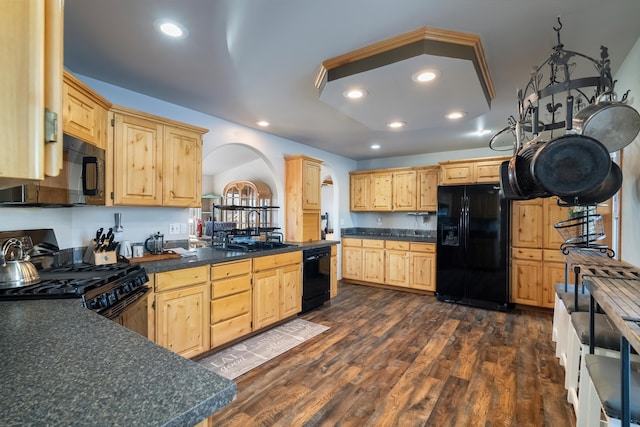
(316, 273)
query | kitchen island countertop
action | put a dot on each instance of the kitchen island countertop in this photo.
(65, 365)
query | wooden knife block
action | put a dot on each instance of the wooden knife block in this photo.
(100, 258)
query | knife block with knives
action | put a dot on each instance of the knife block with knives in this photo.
(102, 249)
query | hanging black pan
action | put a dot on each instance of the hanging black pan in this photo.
(604, 191)
(571, 165)
(521, 179)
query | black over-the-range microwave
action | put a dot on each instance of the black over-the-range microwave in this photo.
(80, 182)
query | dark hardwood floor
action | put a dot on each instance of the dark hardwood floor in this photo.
(393, 358)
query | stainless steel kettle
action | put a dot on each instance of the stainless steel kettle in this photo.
(155, 244)
(19, 272)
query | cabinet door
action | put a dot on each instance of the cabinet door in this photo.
(526, 281)
(397, 268)
(82, 116)
(457, 173)
(423, 271)
(333, 292)
(526, 224)
(311, 185)
(381, 191)
(290, 290)
(552, 215)
(182, 320)
(135, 317)
(182, 165)
(22, 97)
(266, 291)
(137, 161)
(404, 190)
(373, 265)
(487, 171)
(427, 199)
(359, 192)
(553, 273)
(352, 263)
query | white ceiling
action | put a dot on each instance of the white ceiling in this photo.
(250, 60)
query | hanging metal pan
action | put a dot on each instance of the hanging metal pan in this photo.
(571, 165)
(604, 191)
(521, 179)
(614, 124)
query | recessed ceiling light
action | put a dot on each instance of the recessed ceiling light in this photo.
(263, 123)
(455, 115)
(425, 76)
(354, 93)
(171, 29)
(375, 147)
(396, 125)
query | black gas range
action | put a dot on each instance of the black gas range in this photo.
(106, 289)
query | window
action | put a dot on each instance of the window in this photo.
(246, 194)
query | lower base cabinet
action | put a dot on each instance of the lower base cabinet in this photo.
(277, 288)
(230, 301)
(533, 275)
(182, 310)
(410, 265)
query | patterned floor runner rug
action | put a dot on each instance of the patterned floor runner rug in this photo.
(250, 353)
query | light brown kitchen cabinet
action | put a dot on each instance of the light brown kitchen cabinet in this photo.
(359, 190)
(422, 264)
(373, 260)
(30, 81)
(277, 288)
(352, 258)
(230, 301)
(553, 271)
(302, 197)
(427, 180)
(156, 161)
(471, 171)
(396, 263)
(84, 112)
(409, 265)
(182, 304)
(381, 191)
(333, 284)
(404, 190)
(552, 214)
(527, 223)
(526, 280)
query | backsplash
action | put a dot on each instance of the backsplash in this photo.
(384, 232)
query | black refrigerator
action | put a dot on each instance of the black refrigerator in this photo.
(473, 246)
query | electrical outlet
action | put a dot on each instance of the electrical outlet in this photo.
(174, 228)
(183, 228)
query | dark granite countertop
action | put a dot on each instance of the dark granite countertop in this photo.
(403, 235)
(205, 256)
(65, 365)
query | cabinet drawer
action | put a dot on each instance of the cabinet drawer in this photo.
(524, 253)
(350, 241)
(423, 247)
(229, 307)
(372, 243)
(273, 261)
(553, 255)
(231, 329)
(222, 288)
(230, 269)
(180, 278)
(394, 244)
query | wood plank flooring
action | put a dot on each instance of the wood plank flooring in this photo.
(393, 358)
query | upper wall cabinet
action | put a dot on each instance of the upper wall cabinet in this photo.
(302, 193)
(471, 171)
(84, 112)
(394, 190)
(155, 161)
(30, 81)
